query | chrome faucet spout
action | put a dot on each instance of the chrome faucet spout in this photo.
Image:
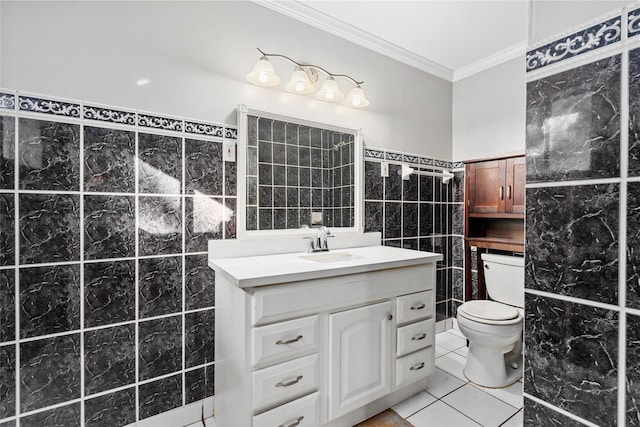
(318, 243)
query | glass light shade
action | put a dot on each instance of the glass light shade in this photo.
(263, 73)
(299, 82)
(330, 91)
(356, 98)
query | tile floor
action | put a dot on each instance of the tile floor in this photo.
(451, 400)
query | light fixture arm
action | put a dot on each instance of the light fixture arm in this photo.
(309, 66)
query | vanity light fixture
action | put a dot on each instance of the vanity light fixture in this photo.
(303, 81)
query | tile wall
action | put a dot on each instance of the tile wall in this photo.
(106, 303)
(582, 227)
(420, 213)
(294, 170)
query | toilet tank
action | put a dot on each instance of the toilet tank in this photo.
(504, 278)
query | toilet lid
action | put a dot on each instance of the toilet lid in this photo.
(490, 310)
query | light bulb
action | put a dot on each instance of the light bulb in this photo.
(263, 73)
(356, 98)
(299, 82)
(330, 91)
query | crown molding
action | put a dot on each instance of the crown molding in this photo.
(497, 58)
(308, 15)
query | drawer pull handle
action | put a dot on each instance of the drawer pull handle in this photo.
(290, 383)
(293, 424)
(290, 341)
(417, 367)
(418, 307)
(419, 337)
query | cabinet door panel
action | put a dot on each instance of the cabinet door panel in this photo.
(360, 353)
(486, 181)
(515, 185)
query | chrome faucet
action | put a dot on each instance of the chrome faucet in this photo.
(319, 242)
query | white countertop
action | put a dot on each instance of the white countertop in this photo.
(252, 271)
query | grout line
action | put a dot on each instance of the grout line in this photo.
(136, 166)
(622, 223)
(184, 260)
(16, 286)
(559, 410)
(574, 300)
(81, 274)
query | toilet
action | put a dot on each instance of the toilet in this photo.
(494, 327)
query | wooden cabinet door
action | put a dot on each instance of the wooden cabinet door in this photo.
(486, 187)
(515, 190)
(360, 353)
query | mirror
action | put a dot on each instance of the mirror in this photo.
(297, 173)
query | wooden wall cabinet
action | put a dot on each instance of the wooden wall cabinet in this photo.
(494, 211)
(496, 186)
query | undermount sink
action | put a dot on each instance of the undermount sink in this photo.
(330, 257)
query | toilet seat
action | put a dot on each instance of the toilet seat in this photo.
(489, 312)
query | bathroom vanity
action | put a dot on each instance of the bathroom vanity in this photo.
(328, 338)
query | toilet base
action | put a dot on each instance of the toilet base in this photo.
(491, 367)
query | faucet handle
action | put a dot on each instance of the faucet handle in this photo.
(313, 243)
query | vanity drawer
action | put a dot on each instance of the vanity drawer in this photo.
(415, 366)
(284, 340)
(304, 411)
(296, 299)
(414, 306)
(277, 384)
(415, 336)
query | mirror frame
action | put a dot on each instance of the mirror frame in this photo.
(243, 112)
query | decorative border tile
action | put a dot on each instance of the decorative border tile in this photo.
(633, 23)
(371, 153)
(393, 156)
(7, 101)
(410, 158)
(380, 154)
(426, 161)
(231, 133)
(588, 40)
(441, 163)
(49, 106)
(203, 128)
(109, 115)
(157, 122)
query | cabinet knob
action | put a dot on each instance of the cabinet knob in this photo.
(501, 192)
(389, 316)
(418, 307)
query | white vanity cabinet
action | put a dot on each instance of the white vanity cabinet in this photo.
(332, 345)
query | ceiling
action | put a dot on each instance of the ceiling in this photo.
(452, 39)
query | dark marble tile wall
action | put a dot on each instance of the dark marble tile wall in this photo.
(573, 123)
(294, 170)
(571, 357)
(103, 226)
(424, 214)
(573, 242)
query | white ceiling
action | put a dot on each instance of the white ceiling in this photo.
(448, 38)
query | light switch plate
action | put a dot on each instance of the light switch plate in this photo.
(384, 169)
(229, 151)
